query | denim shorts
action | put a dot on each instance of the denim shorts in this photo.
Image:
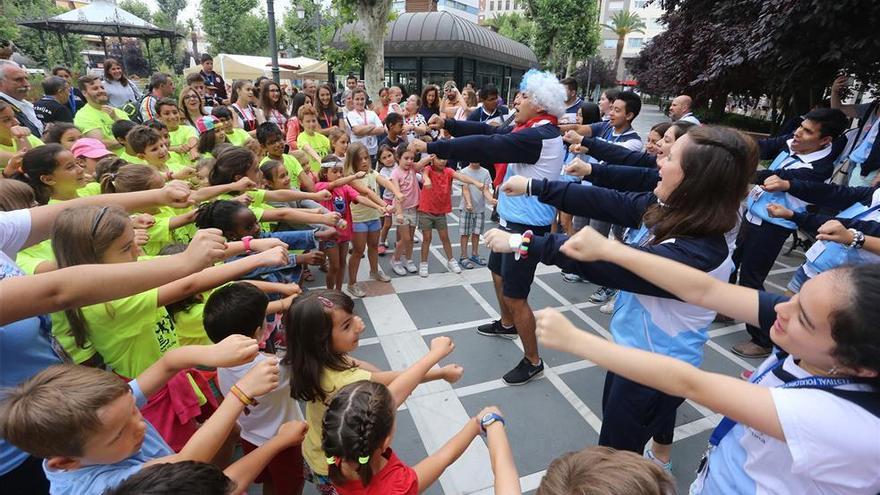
(368, 226)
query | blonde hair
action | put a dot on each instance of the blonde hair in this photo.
(129, 178)
(605, 471)
(55, 412)
(353, 158)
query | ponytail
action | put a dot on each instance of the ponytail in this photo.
(129, 178)
(40, 161)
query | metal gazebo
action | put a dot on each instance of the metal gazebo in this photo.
(101, 18)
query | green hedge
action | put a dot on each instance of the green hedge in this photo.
(737, 121)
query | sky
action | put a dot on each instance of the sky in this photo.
(192, 9)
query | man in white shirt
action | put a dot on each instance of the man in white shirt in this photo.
(680, 110)
(14, 87)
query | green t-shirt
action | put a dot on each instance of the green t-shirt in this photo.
(61, 331)
(258, 204)
(159, 232)
(237, 137)
(182, 136)
(319, 142)
(131, 333)
(89, 118)
(293, 168)
(33, 140)
(90, 189)
(28, 259)
(130, 158)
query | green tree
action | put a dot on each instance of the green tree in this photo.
(171, 8)
(514, 26)
(233, 26)
(308, 34)
(566, 30)
(42, 48)
(373, 17)
(624, 23)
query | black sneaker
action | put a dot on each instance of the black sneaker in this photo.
(524, 372)
(495, 329)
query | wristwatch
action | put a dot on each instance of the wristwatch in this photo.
(858, 239)
(490, 418)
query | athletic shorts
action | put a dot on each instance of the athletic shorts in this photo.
(516, 276)
(410, 217)
(472, 222)
(428, 221)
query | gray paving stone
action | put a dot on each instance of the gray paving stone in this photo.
(541, 424)
(575, 293)
(538, 297)
(442, 306)
(372, 354)
(483, 358)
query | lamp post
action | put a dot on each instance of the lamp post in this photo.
(314, 22)
(273, 42)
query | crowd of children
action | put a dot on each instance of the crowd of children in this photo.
(155, 336)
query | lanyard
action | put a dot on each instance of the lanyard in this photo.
(820, 382)
(866, 212)
(328, 120)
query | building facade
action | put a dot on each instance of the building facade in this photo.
(489, 9)
(650, 14)
(466, 9)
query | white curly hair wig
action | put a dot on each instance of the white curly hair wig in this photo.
(546, 91)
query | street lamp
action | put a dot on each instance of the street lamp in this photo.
(273, 42)
(314, 22)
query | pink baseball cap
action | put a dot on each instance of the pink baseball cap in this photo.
(89, 148)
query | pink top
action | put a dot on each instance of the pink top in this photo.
(346, 194)
(409, 186)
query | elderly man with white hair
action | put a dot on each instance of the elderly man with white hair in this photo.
(14, 87)
(680, 110)
(533, 148)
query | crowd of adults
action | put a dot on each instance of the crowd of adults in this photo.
(664, 226)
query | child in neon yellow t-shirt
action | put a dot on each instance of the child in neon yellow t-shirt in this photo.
(315, 144)
(272, 140)
(183, 140)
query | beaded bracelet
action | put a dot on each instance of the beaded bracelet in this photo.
(523, 251)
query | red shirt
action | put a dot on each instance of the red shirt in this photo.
(396, 478)
(437, 199)
(348, 194)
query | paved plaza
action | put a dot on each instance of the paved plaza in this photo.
(557, 413)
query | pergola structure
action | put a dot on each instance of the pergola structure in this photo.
(100, 18)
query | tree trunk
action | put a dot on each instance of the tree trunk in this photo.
(719, 103)
(618, 57)
(569, 67)
(374, 15)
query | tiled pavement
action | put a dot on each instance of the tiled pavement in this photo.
(558, 413)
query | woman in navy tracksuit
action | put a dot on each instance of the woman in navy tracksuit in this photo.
(695, 203)
(857, 208)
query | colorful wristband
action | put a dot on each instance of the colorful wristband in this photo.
(523, 251)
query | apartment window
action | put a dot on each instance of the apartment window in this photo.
(635, 42)
(492, 5)
(609, 44)
(639, 4)
(615, 6)
(507, 5)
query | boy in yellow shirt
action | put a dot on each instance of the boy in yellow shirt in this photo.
(120, 129)
(183, 138)
(315, 144)
(272, 140)
(234, 135)
(149, 146)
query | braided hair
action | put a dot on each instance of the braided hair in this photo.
(358, 420)
(220, 214)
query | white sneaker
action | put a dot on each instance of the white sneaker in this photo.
(417, 238)
(608, 308)
(411, 267)
(398, 268)
(423, 269)
(453, 265)
(355, 291)
(380, 276)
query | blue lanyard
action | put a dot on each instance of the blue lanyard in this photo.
(820, 382)
(866, 212)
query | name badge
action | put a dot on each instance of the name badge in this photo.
(815, 250)
(756, 193)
